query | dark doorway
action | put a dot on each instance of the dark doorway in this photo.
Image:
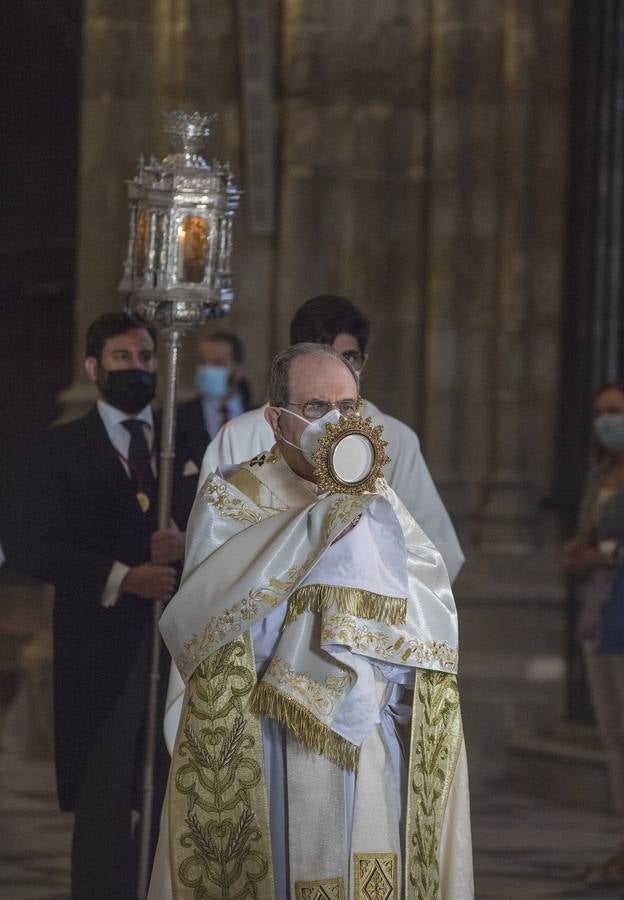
(41, 45)
(593, 311)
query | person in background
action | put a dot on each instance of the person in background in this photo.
(338, 323)
(223, 392)
(591, 556)
(91, 530)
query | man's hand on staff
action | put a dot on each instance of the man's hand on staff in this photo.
(150, 582)
(578, 556)
(168, 545)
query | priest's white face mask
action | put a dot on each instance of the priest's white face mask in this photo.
(312, 433)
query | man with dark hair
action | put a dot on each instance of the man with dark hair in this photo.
(109, 325)
(90, 529)
(223, 392)
(337, 322)
(322, 319)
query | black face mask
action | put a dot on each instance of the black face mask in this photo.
(127, 389)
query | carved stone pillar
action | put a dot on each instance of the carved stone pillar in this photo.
(498, 141)
(352, 180)
(140, 57)
(423, 150)
(525, 359)
(461, 228)
(127, 50)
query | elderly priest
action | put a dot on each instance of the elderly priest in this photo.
(311, 605)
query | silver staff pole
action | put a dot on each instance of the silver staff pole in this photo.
(177, 275)
(173, 344)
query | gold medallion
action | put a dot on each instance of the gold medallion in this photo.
(144, 501)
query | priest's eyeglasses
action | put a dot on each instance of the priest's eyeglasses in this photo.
(355, 358)
(316, 409)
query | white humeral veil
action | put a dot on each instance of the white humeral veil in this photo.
(407, 474)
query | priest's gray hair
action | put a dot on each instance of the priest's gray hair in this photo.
(279, 376)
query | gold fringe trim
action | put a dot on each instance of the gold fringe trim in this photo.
(306, 728)
(349, 601)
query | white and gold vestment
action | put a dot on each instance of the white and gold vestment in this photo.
(299, 621)
(407, 473)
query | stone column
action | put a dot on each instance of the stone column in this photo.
(352, 181)
(494, 265)
(423, 156)
(461, 227)
(140, 57)
(525, 359)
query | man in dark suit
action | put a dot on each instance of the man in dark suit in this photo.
(90, 529)
(223, 392)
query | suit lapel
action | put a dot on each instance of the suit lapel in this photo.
(198, 417)
(105, 459)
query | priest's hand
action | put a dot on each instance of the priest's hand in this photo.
(150, 582)
(168, 545)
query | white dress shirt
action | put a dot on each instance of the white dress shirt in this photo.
(212, 409)
(119, 436)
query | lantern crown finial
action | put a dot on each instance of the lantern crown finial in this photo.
(188, 133)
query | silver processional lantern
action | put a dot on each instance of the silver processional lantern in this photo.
(178, 274)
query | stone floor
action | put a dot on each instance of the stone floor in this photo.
(526, 849)
(34, 849)
(511, 679)
(523, 848)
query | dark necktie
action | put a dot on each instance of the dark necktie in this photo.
(139, 460)
(225, 414)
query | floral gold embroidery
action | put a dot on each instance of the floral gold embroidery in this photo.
(346, 629)
(228, 505)
(326, 889)
(220, 837)
(241, 614)
(231, 622)
(375, 876)
(435, 745)
(321, 697)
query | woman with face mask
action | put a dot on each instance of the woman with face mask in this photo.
(592, 555)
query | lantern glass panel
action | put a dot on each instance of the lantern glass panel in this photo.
(142, 242)
(158, 246)
(193, 246)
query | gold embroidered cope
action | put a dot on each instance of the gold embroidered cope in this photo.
(240, 615)
(220, 842)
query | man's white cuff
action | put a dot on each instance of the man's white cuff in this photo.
(111, 591)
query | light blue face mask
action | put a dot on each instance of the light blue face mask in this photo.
(609, 430)
(213, 382)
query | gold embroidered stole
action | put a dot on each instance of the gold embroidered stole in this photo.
(436, 740)
(220, 841)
